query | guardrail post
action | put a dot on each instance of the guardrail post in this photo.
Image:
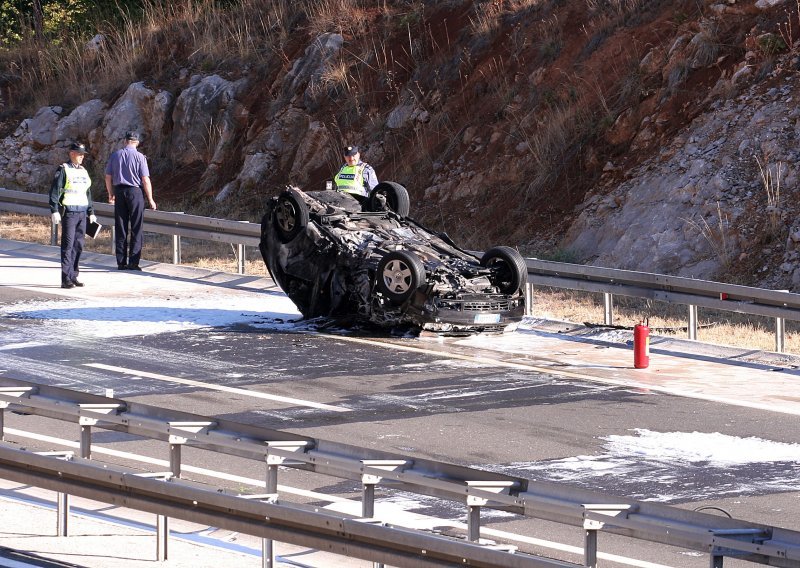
(267, 553)
(176, 249)
(62, 525)
(271, 485)
(113, 240)
(267, 544)
(162, 537)
(62, 499)
(162, 521)
(716, 561)
(240, 251)
(368, 501)
(3, 406)
(86, 442)
(176, 440)
(175, 457)
(473, 523)
(590, 547)
(780, 335)
(592, 525)
(608, 308)
(528, 299)
(368, 483)
(87, 421)
(474, 503)
(692, 322)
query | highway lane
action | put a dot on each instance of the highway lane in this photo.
(421, 397)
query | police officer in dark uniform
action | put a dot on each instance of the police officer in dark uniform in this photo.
(70, 201)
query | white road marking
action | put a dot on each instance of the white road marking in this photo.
(24, 345)
(198, 384)
(410, 520)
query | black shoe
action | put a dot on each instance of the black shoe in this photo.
(122, 267)
(77, 283)
(134, 267)
(67, 285)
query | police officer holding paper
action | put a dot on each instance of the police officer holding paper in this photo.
(70, 202)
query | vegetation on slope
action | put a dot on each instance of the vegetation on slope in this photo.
(516, 101)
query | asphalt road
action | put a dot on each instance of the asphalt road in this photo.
(430, 397)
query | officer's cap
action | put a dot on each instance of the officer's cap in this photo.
(351, 151)
(77, 147)
(132, 135)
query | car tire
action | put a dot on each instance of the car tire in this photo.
(290, 216)
(400, 273)
(395, 196)
(509, 270)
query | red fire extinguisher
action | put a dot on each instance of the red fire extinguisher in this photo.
(641, 345)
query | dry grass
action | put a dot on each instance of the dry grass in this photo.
(723, 328)
(715, 326)
(715, 234)
(486, 19)
(771, 181)
(203, 33)
(157, 248)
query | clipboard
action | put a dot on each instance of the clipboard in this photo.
(92, 229)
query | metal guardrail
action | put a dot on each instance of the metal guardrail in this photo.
(592, 512)
(780, 305)
(239, 233)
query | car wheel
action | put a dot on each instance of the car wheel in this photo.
(509, 271)
(291, 215)
(400, 273)
(389, 195)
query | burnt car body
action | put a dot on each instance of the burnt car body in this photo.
(364, 259)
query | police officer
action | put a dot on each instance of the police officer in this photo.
(355, 177)
(70, 201)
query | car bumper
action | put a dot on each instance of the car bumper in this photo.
(474, 313)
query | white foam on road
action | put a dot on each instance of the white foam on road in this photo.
(708, 447)
(676, 466)
(118, 318)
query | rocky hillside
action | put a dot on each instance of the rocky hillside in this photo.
(650, 135)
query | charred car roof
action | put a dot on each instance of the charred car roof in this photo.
(336, 256)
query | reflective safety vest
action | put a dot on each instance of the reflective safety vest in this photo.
(350, 179)
(76, 186)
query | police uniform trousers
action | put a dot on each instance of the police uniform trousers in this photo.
(73, 231)
(128, 220)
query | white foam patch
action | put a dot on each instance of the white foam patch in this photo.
(714, 448)
(676, 466)
(100, 318)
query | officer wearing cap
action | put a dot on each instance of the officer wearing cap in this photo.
(127, 175)
(70, 202)
(355, 177)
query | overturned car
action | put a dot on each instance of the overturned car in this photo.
(366, 260)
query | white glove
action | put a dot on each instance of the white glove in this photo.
(92, 219)
(56, 218)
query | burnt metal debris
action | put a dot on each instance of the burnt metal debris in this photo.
(364, 260)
